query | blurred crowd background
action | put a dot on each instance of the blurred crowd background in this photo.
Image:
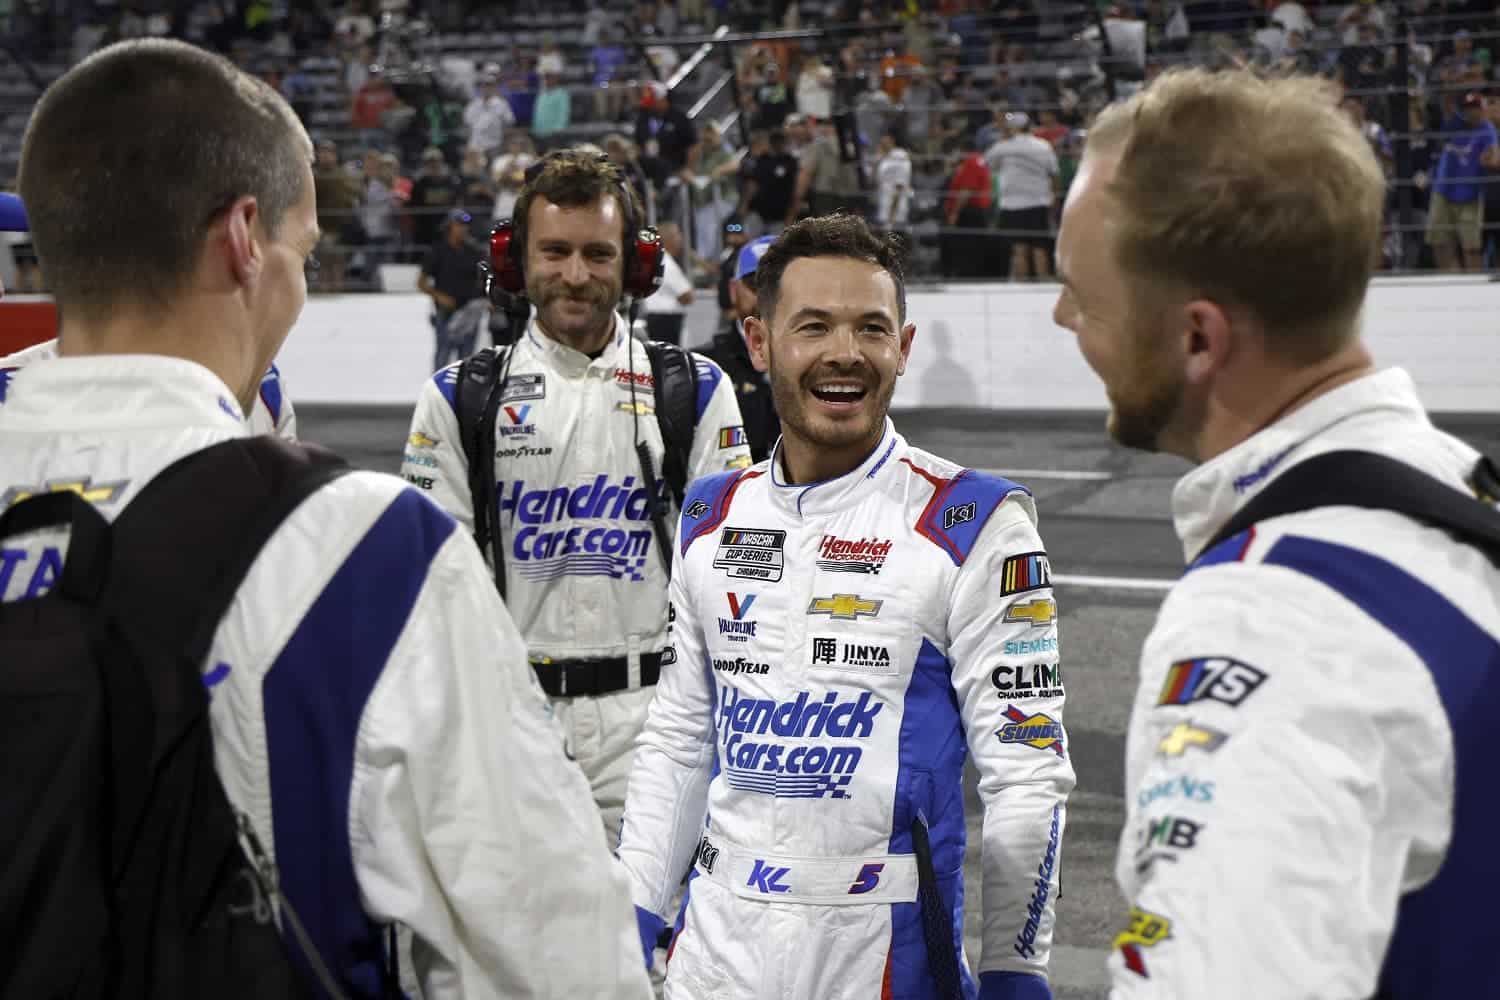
(956, 122)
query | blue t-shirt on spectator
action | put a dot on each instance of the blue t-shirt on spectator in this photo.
(1459, 171)
(607, 60)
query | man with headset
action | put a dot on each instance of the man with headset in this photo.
(579, 459)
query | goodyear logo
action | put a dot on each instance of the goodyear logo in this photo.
(1027, 571)
(845, 607)
(1146, 930)
(1036, 612)
(84, 486)
(1037, 730)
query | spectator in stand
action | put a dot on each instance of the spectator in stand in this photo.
(993, 130)
(896, 68)
(355, 26)
(966, 212)
(299, 90)
(1296, 56)
(1491, 196)
(554, 109)
(1366, 66)
(379, 212)
(450, 277)
(508, 173)
(1455, 218)
(357, 68)
(435, 191)
(773, 99)
(1292, 16)
(550, 58)
(518, 86)
(374, 98)
(478, 197)
(826, 182)
(1029, 178)
(337, 194)
(799, 133)
(1049, 128)
(612, 92)
(815, 88)
(1360, 14)
(766, 200)
(487, 116)
(1375, 135)
(734, 237)
(666, 310)
(922, 97)
(663, 132)
(1455, 67)
(892, 185)
(622, 152)
(711, 169)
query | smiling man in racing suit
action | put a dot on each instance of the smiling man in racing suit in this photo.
(584, 578)
(852, 618)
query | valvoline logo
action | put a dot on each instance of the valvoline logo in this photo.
(545, 546)
(737, 628)
(518, 416)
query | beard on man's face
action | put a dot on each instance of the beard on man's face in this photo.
(551, 296)
(1149, 397)
(797, 407)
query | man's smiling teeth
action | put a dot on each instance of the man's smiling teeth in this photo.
(848, 390)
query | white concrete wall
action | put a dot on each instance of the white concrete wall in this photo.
(990, 346)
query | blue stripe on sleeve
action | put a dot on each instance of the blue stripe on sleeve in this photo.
(314, 697)
(1445, 941)
(708, 377)
(270, 393)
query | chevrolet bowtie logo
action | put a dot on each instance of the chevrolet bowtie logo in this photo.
(420, 440)
(1185, 736)
(1038, 611)
(847, 607)
(85, 487)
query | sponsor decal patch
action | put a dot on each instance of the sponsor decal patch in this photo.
(523, 451)
(1209, 678)
(1036, 680)
(1037, 612)
(860, 555)
(869, 658)
(516, 422)
(738, 628)
(697, 509)
(845, 607)
(751, 553)
(731, 437)
(84, 486)
(1026, 940)
(1162, 838)
(1030, 647)
(417, 439)
(1027, 571)
(524, 386)
(1186, 736)
(626, 379)
(959, 514)
(420, 482)
(1146, 930)
(549, 542)
(638, 408)
(1035, 730)
(808, 747)
(740, 665)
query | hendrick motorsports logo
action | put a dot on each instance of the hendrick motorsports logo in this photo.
(545, 547)
(751, 553)
(785, 749)
(862, 555)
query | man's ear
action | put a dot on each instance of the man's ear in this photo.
(907, 333)
(238, 233)
(1208, 339)
(757, 334)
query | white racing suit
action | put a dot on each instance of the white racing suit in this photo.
(1310, 768)
(272, 412)
(584, 580)
(839, 649)
(372, 709)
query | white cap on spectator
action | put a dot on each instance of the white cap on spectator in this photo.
(1017, 119)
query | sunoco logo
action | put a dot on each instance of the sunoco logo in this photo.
(862, 555)
(786, 749)
(544, 552)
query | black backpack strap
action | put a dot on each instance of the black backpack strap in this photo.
(478, 394)
(676, 380)
(1375, 482)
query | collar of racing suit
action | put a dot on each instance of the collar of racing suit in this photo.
(121, 391)
(812, 499)
(568, 361)
(1208, 496)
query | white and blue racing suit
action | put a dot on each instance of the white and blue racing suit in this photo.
(838, 650)
(1311, 789)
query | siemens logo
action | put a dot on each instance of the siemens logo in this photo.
(801, 770)
(1027, 647)
(545, 553)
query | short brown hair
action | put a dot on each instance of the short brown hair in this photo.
(131, 155)
(572, 178)
(836, 235)
(1256, 192)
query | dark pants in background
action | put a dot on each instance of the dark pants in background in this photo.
(665, 326)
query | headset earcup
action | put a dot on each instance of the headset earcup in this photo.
(643, 268)
(506, 259)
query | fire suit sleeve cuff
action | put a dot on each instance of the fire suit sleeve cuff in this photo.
(650, 926)
(1013, 986)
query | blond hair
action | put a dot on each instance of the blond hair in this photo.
(1257, 193)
